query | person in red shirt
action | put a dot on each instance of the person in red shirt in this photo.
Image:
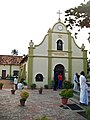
(60, 81)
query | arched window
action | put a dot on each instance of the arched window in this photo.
(39, 77)
(59, 45)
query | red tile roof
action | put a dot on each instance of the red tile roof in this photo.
(10, 60)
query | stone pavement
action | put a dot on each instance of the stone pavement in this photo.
(46, 104)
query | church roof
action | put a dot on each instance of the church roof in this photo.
(24, 59)
(10, 60)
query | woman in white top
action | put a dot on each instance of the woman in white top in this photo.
(15, 82)
(20, 86)
(83, 89)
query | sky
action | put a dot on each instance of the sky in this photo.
(25, 20)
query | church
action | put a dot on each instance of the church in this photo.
(58, 52)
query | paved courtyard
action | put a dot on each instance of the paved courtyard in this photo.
(47, 104)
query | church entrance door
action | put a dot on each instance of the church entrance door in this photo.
(59, 68)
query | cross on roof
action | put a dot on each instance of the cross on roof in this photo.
(59, 13)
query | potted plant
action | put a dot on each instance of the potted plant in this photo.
(65, 95)
(46, 86)
(33, 86)
(67, 85)
(24, 95)
(40, 90)
(13, 91)
(1, 85)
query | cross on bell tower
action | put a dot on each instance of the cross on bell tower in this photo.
(59, 14)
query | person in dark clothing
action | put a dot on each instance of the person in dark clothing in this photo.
(55, 81)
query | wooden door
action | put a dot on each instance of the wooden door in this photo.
(3, 74)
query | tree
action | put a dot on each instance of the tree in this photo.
(78, 17)
(14, 52)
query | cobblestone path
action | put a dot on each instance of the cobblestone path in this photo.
(47, 104)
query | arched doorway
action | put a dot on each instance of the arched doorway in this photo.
(59, 68)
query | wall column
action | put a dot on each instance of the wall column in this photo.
(85, 61)
(49, 56)
(69, 57)
(10, 71)
(30, 64)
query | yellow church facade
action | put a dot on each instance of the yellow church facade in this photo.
(58, 52)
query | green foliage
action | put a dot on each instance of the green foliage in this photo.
(46, 86)
(14, 52)
(24, 94)
(67, 85)
(33, 86)
(88, 112)
(66, 93)
(78, 17)
(1, 84)
(88, 77)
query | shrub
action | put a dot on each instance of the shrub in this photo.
(33, 86)
(1, 84)
(24, 94)
(46, 86)
(67, 85)
(66, 93)
(88, 112)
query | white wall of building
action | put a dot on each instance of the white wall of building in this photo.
(77, 66)
(76, 50)
(40, 65)
(7, 68)
(4, 67)
(42, 48)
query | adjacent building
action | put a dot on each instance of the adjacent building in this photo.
(9, 65)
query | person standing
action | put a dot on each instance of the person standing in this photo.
(83, 89)
(76, 81)
(15, 82)
(60, 81)
(20, 85)
(55, 80)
